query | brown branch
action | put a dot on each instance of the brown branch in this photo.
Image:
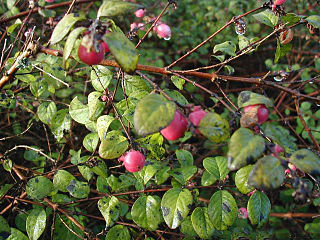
(35, 10)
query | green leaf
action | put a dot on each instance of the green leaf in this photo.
(184, 157)
(152, 114)
(306, 161)
(178, 82)
(268, 173)
(162, 175)
(208, 179)
(258, 207)
(100, 77)
(90, 141)
(60, 122)
(244, 148)
(136, 87)
(187, 228)
(227, 47)
(217, 166)
(146, 212)
(4, 228)
(39, 187)
(36, 223)
(267, 17)
(113, 145)
(222, 210)
(175, 206)
(10, 3)
(282, 50)
(290, 19)
(95, 105)
(241, 179)
(110, 209)
(115, 8)
(123, 50)
(177, 97)
(64, 26)
(102, 184)
(146, 173)
(84, 169)
(70, 43)
(79, 112)
(78, 189)
(4, 189)
(118, 232)
(17, 235)
(62, 179)
(183, 174)
(46, 111)
(314, 20)
(201, 223)
(280, 136)
(101, 169)
(103, 123)
(247, 98)
(214, 127)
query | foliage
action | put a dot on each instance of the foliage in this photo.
(64, 124)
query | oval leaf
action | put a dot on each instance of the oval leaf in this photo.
(64, 26)
(110, 209)
(146, 212)
(115, 8)
(113, 145)
(244, 148)
(222, 210)
(100, 77)
(241, 179)
(123, 50)
(39, 187)
(201, 223)
(247, 98)
(217, 166)
(62, 179)
(152, 114)
(17, 235)
(267, 17)
(268, 173)
(46, 111)
(4, 228)
(118, 232)
(175, 206)
(95, 105)
(135, 86)
(314, 20)
(78, 111)
(78, 189)
(90, 141)
(208, 179)
(258, 207)
(227, 47)
(306, 161)
(36, 223)
(103, 123)
(70, 42)
(214, 127)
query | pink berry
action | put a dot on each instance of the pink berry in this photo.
(163, 31)
(196, 116)
(262, 112)
(278, 149)
(133, 160)
(88, 54)
(242, 213)
(106, 47)
(176, 128)
(140, 13)
(277, 3)
(133, 26)
(49, 1)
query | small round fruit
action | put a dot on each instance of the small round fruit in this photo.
(133, 160)
(262, 112)
(106, 47)
(140, 13)
(242, 213)
(88, 54)
(277, 3)
(176, 128)
(196, 115)
(278, 149)
(163, 31)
